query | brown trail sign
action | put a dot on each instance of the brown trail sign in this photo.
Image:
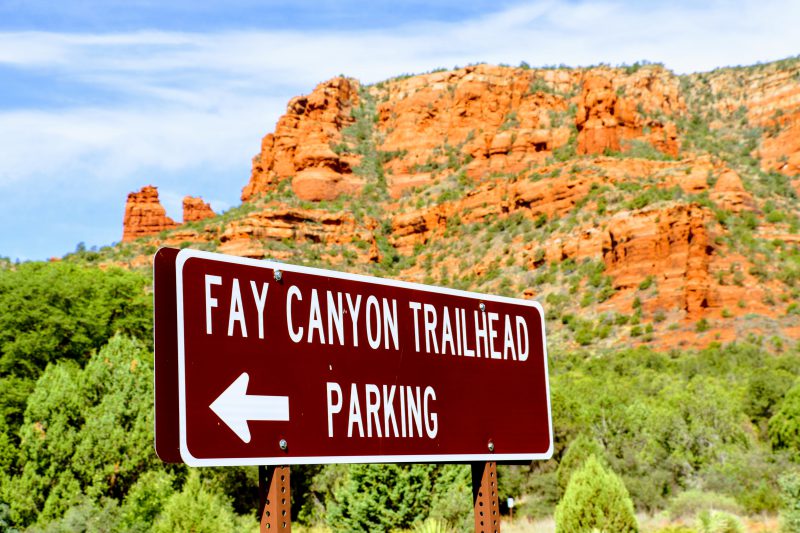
(265, 363)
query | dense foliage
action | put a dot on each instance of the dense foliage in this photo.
(51, 312)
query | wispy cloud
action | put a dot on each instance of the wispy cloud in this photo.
(183, 103)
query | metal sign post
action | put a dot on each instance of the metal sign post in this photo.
(275, 499)
(484, 496)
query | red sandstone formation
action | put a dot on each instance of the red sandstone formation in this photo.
(195, 209)
(671, 244)
(301, 146)
(497, 119)
(502, 119)
(144, 215)
(781, 151)
(245, 237)
(729, 193)
(608, 116)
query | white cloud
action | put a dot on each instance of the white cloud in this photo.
(106, 144)
(189, 98)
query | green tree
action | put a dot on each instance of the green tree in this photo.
(54, 311)
(790, 491)
(451, 498)
(382, 497)
(86, 516)
(784, 426)
(145, 501)
(595, 499)
(86, 432)
(579, 450)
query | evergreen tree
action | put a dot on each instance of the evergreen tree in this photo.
(382, 497)
(784, 426)
(790, 490)
(55, 311)
(595, 499)
(86, 432)
(579, 450)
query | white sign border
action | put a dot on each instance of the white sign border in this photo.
(187, 253)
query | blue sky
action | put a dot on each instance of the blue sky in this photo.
(101, 98)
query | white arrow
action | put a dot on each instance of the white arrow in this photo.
(235, 407)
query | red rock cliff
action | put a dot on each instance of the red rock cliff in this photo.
(301, 146)
(496, 119)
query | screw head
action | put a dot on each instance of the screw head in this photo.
(491, 446)
(278, 275)
(482, 306)
(283, 444)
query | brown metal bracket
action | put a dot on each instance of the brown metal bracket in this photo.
(275, 498)
(485, 498)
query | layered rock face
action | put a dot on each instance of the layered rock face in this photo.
(499, 118)
(195, 209)
(144, 215)
(247, 237)
(301, 146)
(557, 189)
(613, 111)
(671, 244)
(774, 103)
(729, 193)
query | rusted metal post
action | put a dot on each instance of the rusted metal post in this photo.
(275, 498)
(485, 498)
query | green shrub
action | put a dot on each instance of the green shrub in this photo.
(790, 492)
(647, 282)
(431, 526)
(198, 510)
(584, 335)
(597, 499)
(692, 502)
(719, 522)
(784, 426)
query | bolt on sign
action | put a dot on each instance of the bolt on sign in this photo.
(259, 362)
